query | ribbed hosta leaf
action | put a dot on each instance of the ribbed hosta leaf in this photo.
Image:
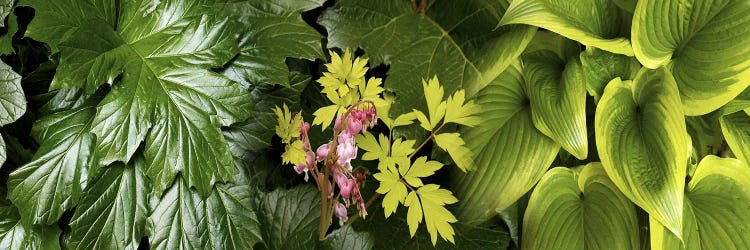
(717, 214)
(596, 23)
(602, 66)
(272, 31)
(570, 210)
(455, 40)
(52, 182)
(557, 89)
(156, 55)
(184, 220)
(112, 212)
(643, 144)
(704, 43)
(736, 130)
(511, 153)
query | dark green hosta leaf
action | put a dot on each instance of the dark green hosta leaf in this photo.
(346, 238)
(601, 67)
(14, 235)
(113, 210)
(736, 130)
(52, 182)
(455, 40)
(556, 87)
(273, 31)
(595, 23)
(717, 215)
(704, 43)
(184, 220)
(290, 217)
(165, 96)
(643, 143)
(705, 134)
(584, 210)
(512, 155)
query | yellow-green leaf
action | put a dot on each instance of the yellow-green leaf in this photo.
(293, 153)
(288, 125)
(414, 215)
(736, 130)
(421, 168)
(456, 148)
(437, 219)
(461, 112)
(393, 188)
(433, 94)
(325, 115)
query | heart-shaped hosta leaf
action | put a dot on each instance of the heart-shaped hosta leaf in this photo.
(557, 91)
(184, 220)
(705, 134)
(595, 23)
(52, 182)
(165, 96)
(511, 153)
(717, 214)
(14, 235)
(643, 143)
(585, 210)
(113, 210)
(704, 43)
(273, 31)
(455, 40)
(736, 130)
(601, 67)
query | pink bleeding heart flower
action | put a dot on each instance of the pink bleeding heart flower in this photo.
(346, 150)
(323, 151)
(340, 212)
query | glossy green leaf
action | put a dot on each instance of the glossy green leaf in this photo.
(716, 212)
(165, 95)
(512, 155)
(290, 217)
(571, 210)
(595, 23)
(556, 87)
(602, 66)
(52, 182)
(14, 235)
(6, 40)
(736, 130)
(272, 31)
(12, 99)
(6, 7)
(455, 40)
(643, 144)
(182, 219)
(346, 238)
(113, 210)
(710, 64)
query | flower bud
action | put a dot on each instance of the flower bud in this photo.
(323, 151)
(340, 212)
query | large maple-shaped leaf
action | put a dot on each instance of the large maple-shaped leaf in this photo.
(12, 100)
(184, 220)
(159, 51)
(15, 235)
(272, 31)
(455, 40)
(113, 210)
(52, 182)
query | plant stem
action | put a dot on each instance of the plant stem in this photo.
(323, 228)
(432, 135)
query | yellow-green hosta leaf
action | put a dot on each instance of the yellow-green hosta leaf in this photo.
(557, 90)
(736, 130)
(642, 143)
(602, 66)
(585, 210)
(595, 23)
(717, 215)
(511, 153)
(456, 148)
(704, 43)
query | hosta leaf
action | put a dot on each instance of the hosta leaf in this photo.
(511, 153)
(455, 40)
(711, 66)
(184, 220)
(601, 67)
(112, 212)
(643, 144)
(14, 235)
(736, 130)
(290, 217)
(716, 212)
(705, 134)
(272, 32)
(595, 23)
(557, 91)
(52, 182)
(165, 95)
(585, 210)
(12, 99)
